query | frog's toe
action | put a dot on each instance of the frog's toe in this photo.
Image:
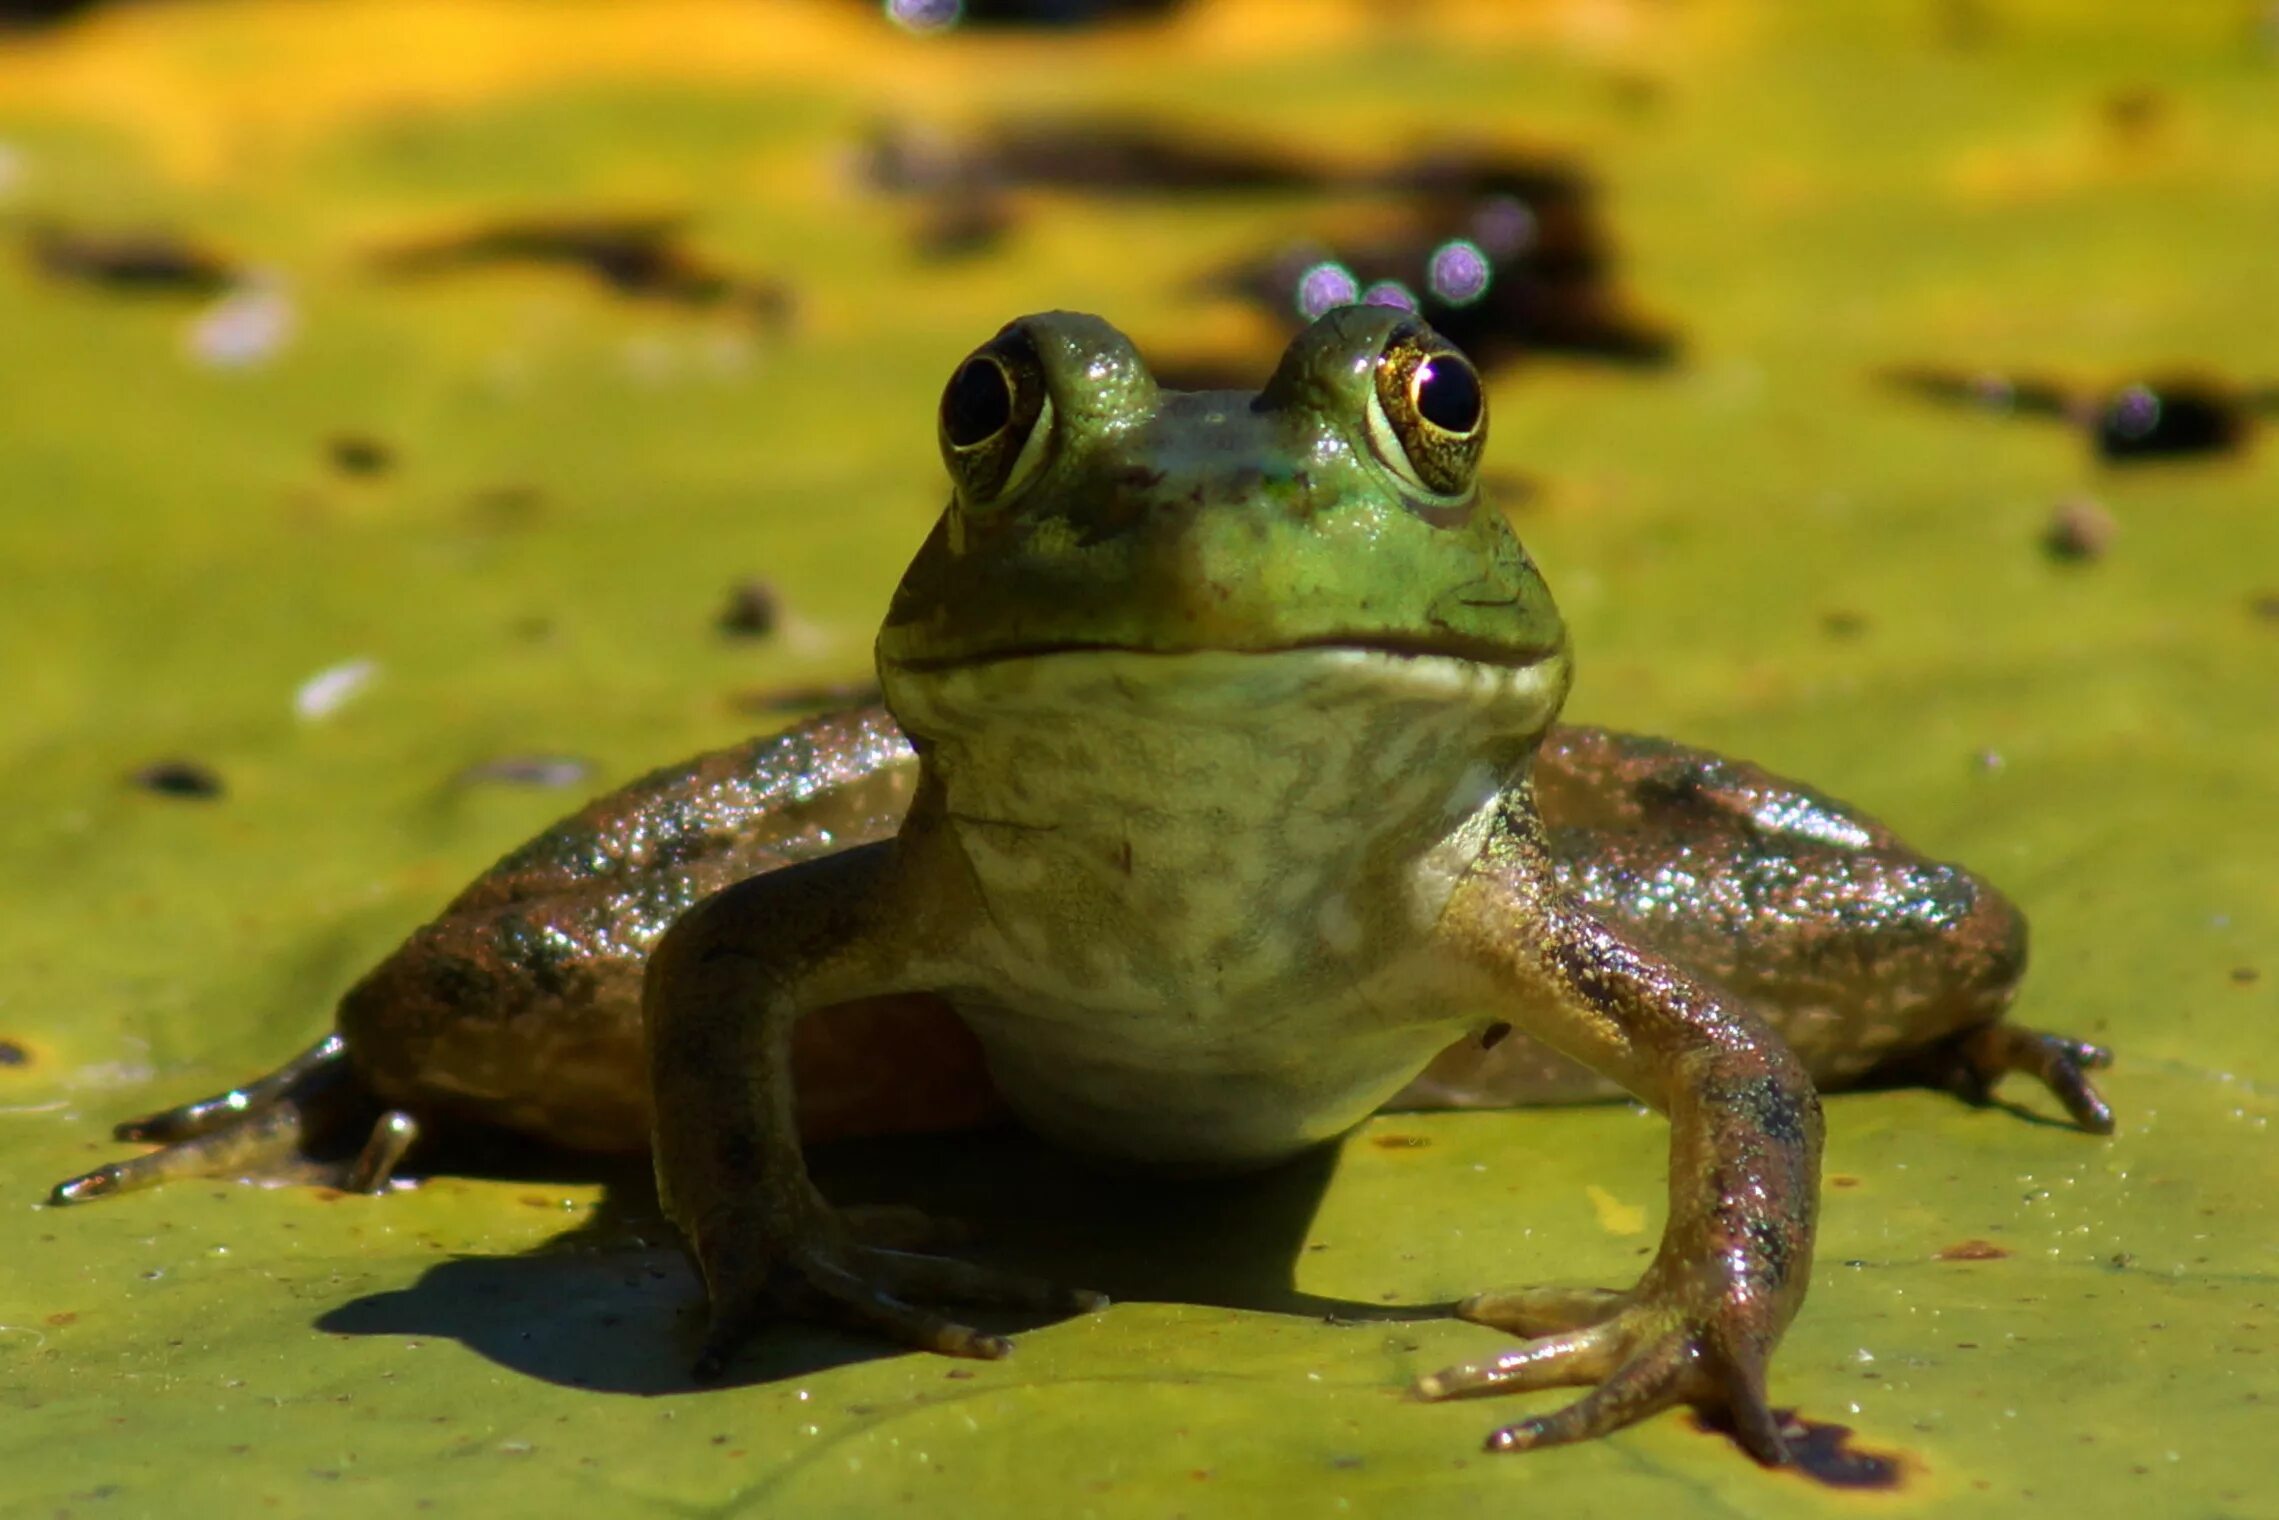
(1542, 1311)
(2059, 1062)
(890, 1291)
(393, 1135)
(266, 1140)
(1642, 1358)
(222, 1111)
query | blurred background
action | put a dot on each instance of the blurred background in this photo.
(416, 417)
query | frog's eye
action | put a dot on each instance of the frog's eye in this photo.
(1428, 416)
(996, 418)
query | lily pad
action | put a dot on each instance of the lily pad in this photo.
(494, 511)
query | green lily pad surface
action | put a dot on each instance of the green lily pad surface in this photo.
(313, 548)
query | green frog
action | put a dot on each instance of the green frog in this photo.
(1217, 801)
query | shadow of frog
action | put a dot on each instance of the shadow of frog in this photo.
(614, 1305)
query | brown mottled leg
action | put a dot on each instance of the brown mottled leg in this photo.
(1745, 1133)
(723, 992)
(1871, 962)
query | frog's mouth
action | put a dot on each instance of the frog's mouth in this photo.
(1353, 684)
(1449, 647)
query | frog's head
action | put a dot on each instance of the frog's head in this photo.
(1337, 509)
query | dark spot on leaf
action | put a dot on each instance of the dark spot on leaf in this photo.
(13, 1054)
(2155, 421)
(65, 1317)
(962, 224)
(2134, 114)
(1842, 1181)
(1399, 1142)
(1973, 1250)
(1841, 624)
(359, 454)
(633, 256)
(2079, 530)
(1090, 155)
(2143, 420)
(2265, 605)
(752, 611)
(131, 263)
(178, 778)
(1494, 1035)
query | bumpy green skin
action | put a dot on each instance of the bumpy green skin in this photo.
(1220, 799)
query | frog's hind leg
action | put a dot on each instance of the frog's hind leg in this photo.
(264, 1128)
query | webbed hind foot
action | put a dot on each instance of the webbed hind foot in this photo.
(264, 1129)
(1969, 1065)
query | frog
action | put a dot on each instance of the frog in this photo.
(1217, 799)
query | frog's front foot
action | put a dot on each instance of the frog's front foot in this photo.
(823, 1268)
(1668, 1341)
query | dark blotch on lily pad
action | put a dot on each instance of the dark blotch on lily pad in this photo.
(752, 611)
(129, 262)
(179, 778)
(359, 454)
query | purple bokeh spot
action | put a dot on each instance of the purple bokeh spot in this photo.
(1389, 293)
(1324, 286)
(925, 15)
(1503, 226)
(1458, 272)
(2135, 412)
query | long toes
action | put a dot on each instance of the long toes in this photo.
(2062, 1065)
(189, 1121)
(1542, 1311)
(948, 1280)
(1655, 1379)
(263, 1139)
(857, 1297)
(1552, 1361)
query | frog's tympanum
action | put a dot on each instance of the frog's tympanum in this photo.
(1217, 802)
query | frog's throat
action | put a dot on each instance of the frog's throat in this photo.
(1176, 861)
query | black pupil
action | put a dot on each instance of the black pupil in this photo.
(1448, 394)
(978, 403)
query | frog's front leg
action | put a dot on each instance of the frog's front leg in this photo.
(722, 994)
(1745, 1132)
